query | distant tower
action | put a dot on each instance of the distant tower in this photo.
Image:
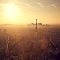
(36, 26)
(36, 23)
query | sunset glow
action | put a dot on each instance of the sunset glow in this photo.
(11, 11)
(27, 11)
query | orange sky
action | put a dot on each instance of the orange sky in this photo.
(46, 11)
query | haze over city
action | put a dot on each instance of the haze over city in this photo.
(26, 11)
(29, 29)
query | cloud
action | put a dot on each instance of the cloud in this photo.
(28, 5)
(25, 4)
(41, 5)
(53, 5)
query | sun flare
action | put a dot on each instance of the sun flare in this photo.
(11, 11)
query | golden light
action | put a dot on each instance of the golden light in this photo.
(11, 11)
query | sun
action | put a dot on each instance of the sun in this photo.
(11, 11)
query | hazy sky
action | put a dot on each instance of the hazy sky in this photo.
(46, 11)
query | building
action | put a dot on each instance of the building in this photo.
(39, 23)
